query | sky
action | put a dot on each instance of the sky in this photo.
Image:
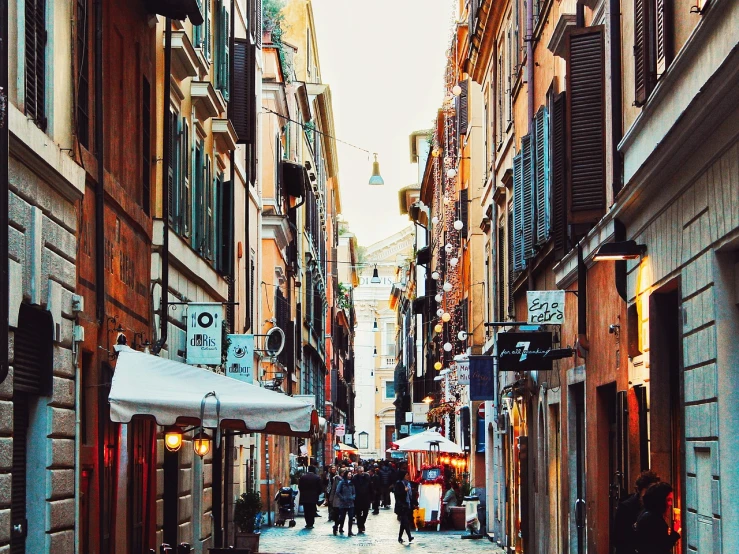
(384, 61)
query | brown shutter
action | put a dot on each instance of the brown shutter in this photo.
(559, 174)
(642, 68)
(34, 351)
(586, 125)
(35, 23)
(238, 107)
(18, 521)
(462, 109)
(663, 36)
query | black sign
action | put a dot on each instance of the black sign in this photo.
(482, 383)
(524, 351)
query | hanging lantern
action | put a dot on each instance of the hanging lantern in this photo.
(438, 297)
(375, 276)
(376, 179)
(448, 247)
(451, 173)
(456, 90)
(445, 317)
(448, 286)
(440, 313)
(453, 262)
(447, 201)
(201, 443)
(435, 220)
(435, 152)
(438, 328)
(462, 335)
(458, 225)
(435, 276)
(437, 366)
(447, 347)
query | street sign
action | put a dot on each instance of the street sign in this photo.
(546, 307)
(481, 411)
(240, 357)
(204, 333)
(340, 430)
(463, 373)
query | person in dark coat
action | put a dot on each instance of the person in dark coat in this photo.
(345, 496)
(654, 535)
(309, 486)
(363, 488)
(376, 489)
(386, 477)
(330, 477)
(627, 512)
(404, 506)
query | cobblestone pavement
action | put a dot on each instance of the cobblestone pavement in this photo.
(381, 537)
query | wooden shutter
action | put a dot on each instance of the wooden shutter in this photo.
(464, 210)
(240, 106)
(35, 100)
(559, 174)
(501, 273)
(541, 174)
(527, 207)
(663, 36)
(226, 222)
(18, 475)
(206, 38)
(258, 29)
(185, 179)
(462, 109)
(518, 213)
(197, 30)
(586, 125)
(170, 169)
(199, 196)
(511, 261)
(643, 80)
(34, 351)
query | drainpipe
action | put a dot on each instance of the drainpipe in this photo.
(164, 253)
(4, 283)
(100, 252)
(530, 94)
(616, 109)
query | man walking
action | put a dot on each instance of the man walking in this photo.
(362, 490)
(309, 486)
(386, 476)
(376, 489)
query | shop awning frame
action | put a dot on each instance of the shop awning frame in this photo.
(171, 393)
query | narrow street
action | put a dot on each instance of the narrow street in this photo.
(381, 536)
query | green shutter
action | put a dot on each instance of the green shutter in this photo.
(177, 177)
(197, 33)
(517, 230)
(206, 39)
(198, 197)
(541, 173)
(527, 185)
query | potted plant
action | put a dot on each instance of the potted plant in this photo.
(246, 509)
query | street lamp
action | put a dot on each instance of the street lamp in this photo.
(201, 443)
(375, 276)
(173, 438)
(376, 179)
(619, 251)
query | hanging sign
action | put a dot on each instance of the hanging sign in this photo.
(204, 333)
(463, 373)
(524, 351)
(340, 429)
(546, 307)
(482, 375)
(240, 357)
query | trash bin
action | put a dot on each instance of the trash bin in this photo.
(458, 517)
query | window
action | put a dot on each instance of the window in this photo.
(197, 30)
(206, 36)
(35, 101)
(223, 39)
(653, 45)
(389, 390)
(390, 339)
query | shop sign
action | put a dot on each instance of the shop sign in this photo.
(463, 373)
(524, 351)
(546, 307)
(204, 333)
(240, 357)
(482, 375)
(340, 430)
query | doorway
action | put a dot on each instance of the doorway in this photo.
(576, 472)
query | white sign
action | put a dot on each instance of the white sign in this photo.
(204, 333)
(240, 358)
(463, 373)
(340, 430)
(546, 307)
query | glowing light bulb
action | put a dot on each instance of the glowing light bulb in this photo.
(451, 173)
(435, 220)
(435, 275)
(438, 328)
(458, 225)
(448, 286)
(439, 312)
(445, 317)
(456, 90)
(453, 262)
(447, 347)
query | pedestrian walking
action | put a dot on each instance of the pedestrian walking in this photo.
(309, 486)
(376, 489)
(330, 477)
(334, 501)
(628, 511)
(654, 535)
(404, 506)
(386, 473)
(345, 495)
(363, 489)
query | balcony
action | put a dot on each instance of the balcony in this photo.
(204, 99)
(224, 134)
(184, 58)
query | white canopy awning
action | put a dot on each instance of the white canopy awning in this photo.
(425, 441)
(171, 392)
(341, 447)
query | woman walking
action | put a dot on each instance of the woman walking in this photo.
(404, 506)
(345, 495)
(653, 532)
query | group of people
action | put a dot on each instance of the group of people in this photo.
(351, 490)
(642, 524)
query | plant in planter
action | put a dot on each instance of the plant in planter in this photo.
(246, 509)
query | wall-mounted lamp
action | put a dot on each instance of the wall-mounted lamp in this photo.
(375, 327)
(618, 251)
(173, 438)
(462, 335)
(201, 443)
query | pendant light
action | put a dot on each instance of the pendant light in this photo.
(376, 179)
(375, 276)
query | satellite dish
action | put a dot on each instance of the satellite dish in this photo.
(274, 341)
